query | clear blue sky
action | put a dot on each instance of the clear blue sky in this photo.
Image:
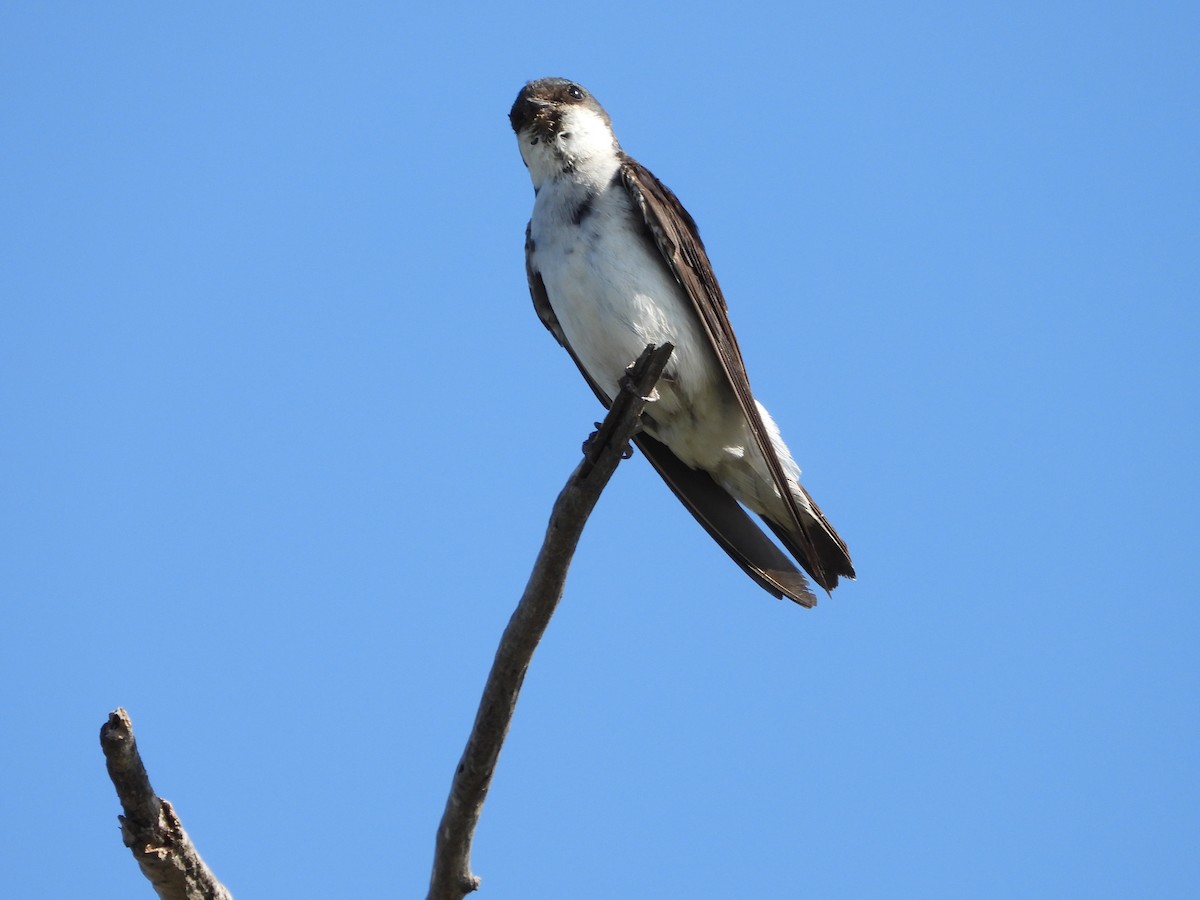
(280, 433)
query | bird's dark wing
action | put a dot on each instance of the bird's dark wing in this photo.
(809, 537)
(545, 312)
(713, 507)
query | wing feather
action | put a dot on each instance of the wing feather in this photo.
(810, 537)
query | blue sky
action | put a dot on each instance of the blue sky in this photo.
(280, 433)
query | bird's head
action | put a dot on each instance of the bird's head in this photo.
(561, 129)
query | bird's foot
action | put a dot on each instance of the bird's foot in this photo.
(591, 440)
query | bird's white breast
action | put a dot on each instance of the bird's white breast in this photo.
(609, 288)
(613, 294)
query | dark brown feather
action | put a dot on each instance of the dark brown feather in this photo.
(809, 537)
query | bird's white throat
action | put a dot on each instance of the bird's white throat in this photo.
(583, 149)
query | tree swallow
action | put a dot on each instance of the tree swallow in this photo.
(615, 263)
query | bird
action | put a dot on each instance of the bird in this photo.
(614, 263)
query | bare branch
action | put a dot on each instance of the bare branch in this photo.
(452, 878)
(150, 828)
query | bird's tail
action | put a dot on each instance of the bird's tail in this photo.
(818, 547)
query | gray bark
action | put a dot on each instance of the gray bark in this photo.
(452, 878)
(150, 828)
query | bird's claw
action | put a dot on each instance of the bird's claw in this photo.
(627, 453)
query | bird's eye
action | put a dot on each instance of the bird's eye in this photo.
(575, 91)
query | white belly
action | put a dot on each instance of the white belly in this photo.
(611, 299)
(612, 295)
